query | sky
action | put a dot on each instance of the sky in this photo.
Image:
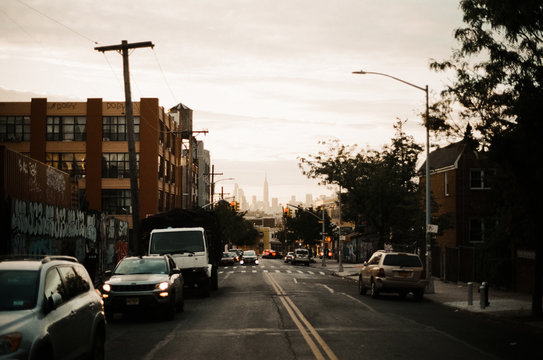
(268, 79)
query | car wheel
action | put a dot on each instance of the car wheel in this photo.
(361, 288)
(98, 348)
(306, 264)
(419, 294)
(374, 291)
(402, 294)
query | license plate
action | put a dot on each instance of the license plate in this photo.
(403, 274)
(132, 301)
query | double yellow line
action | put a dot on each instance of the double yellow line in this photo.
(303, 325)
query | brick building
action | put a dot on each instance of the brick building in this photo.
(89, 141)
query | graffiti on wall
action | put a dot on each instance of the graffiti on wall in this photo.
(30, 170)
(51, 221)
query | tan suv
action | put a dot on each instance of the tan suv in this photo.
(393, 272)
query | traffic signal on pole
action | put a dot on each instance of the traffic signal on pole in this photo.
(233, 205)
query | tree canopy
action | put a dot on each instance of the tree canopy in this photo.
(381, 186)
(498, 84)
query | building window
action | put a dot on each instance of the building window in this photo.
(66, 128)
(447, 184)
(73, 164)
(160, 167)
(117, 165)
(116, 201)
(14, 128)
(114, 128)
(476, 230)
(160, 200)
(480, 178)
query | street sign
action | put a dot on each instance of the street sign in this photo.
(432, 229)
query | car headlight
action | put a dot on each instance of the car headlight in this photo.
(106, 287)
(163, 286)
(10, 343)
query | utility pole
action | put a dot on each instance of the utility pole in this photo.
(134, 190)
(212, 184)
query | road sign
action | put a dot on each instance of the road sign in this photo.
(432, 229)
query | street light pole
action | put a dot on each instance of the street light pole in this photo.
(430, 288)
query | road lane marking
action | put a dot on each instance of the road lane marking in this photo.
(289, 271)
(311, 272)
(320, 272)
(361, 302)
(327, 288)
(295, 281)
(277, 271)
(298, 318)
(301, 272)
(254, 271)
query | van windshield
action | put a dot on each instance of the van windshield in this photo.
(172, 242)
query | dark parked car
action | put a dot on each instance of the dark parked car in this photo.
(49, 309)
(228, 258)
(249, 257)
(141, 283)
(238, 253)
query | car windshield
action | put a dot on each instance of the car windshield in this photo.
(249, 253)
(402, 260)
(141, 266)
(19, 289)
(176, 242)
(302, 252)
(226, 255)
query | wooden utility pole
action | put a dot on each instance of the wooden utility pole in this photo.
(134, 189)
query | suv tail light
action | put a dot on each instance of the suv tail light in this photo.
(381, 272)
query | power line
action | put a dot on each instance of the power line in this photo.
(164, 77)
(57, 22)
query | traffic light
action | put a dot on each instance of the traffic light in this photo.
(286, 212)
(234, 205)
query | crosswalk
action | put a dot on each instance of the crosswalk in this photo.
(264, 269)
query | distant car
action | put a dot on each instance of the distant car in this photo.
(228, 258)
(238, 254)
(49, 309)
(393, 272)
(142, 283)
(288, 258)
(249, 257)
(301, 256)
(270, 254)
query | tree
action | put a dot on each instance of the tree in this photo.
(498, 83)
(306, 225)
(233, 226)
(381, 185)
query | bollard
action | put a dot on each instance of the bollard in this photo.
(482, 296)
(485, 284)
(470, 293)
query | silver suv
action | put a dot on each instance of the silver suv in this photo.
(301, 256)
(395, 272)
(49, 309)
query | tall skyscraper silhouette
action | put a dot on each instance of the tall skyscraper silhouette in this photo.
(266, 193)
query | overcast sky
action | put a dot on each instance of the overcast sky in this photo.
(267, 78)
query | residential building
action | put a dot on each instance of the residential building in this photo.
(460, 186)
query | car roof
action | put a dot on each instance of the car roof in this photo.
(145, 257)
(32, 262)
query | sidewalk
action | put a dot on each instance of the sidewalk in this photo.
(504, 304)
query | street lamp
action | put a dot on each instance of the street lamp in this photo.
(213, 186)
(428, 195)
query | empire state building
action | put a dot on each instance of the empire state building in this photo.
(266, 200)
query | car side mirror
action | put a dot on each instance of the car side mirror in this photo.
(108, 273)
(53, 302)
(365, 263)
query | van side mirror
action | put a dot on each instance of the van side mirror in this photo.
(108, 273)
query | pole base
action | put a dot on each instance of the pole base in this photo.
(430, 287)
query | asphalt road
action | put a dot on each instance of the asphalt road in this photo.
(279, 311)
